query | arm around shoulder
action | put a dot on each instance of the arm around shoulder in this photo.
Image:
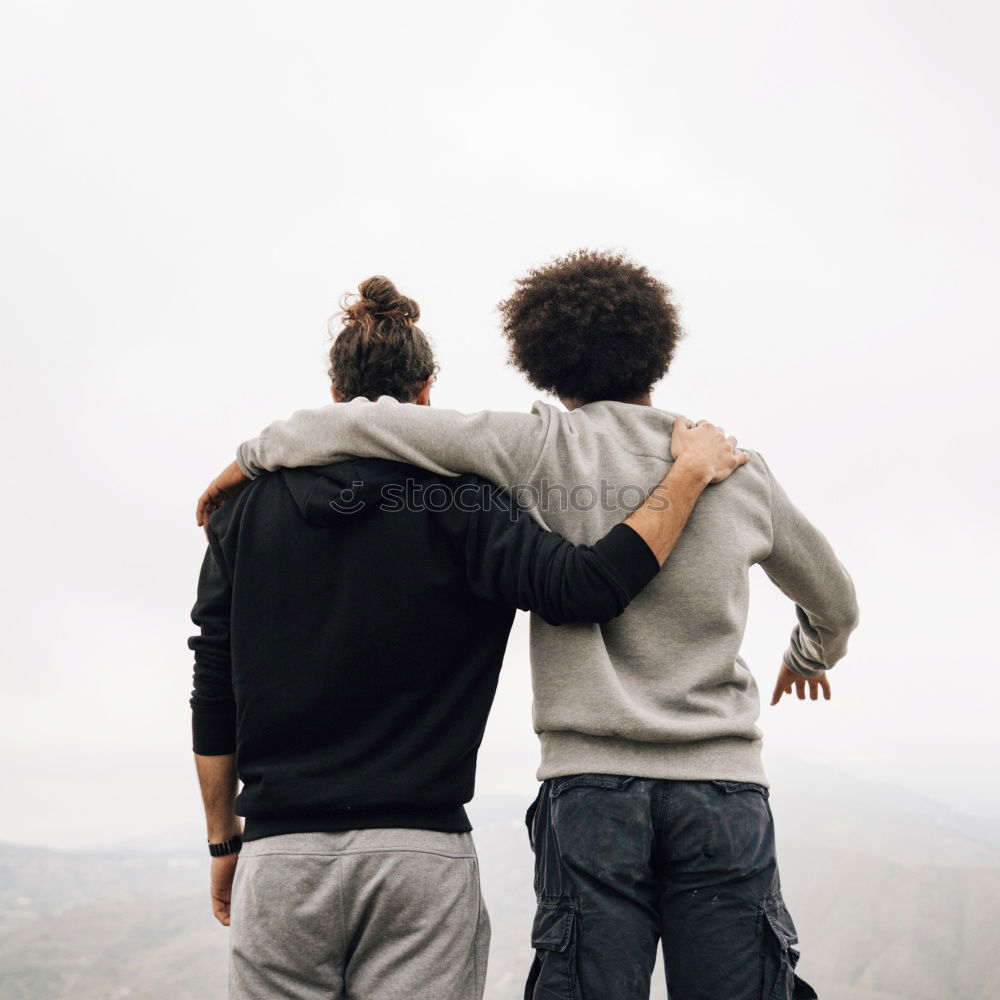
(513, 560)
(497, 445)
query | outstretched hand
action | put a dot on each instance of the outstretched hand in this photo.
(226, 485)
(787, 680)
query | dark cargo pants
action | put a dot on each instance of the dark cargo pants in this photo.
(622, 863)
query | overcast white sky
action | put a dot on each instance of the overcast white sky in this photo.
(187, 189)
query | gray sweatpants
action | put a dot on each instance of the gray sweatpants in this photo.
(366, 915)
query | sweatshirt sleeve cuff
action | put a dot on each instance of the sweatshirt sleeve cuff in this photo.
(213, 733)
(629, 557)
(244, 459)
(795, 663)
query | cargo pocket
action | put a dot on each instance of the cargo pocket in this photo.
(780, 981)
(553, 971)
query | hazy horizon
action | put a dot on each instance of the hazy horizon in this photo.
(861, 870)
(795, 784)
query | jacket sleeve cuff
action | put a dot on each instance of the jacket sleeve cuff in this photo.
(213, 733)
(629, 557)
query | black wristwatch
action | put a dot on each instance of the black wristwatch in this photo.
(231, 846)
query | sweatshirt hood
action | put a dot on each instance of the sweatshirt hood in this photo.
(328, 494)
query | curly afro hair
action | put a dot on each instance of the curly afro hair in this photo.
(591, 326)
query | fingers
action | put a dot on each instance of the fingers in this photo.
(211, 500)
(818, 684)
(782, 686)
(788, 680)
(220, 910)
(205, 508)
(739, 457)
(730, 440)
(228, 484)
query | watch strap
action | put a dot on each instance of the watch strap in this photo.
(231, 846)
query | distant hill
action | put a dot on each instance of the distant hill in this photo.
(36, 883)
(895, 898)
(882, 931)
(165, 948)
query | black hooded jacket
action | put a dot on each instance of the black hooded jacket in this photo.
(353, 620)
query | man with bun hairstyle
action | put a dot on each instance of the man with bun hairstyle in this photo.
(353, 618)
(652, 823)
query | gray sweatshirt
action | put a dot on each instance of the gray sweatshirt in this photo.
(661, 691)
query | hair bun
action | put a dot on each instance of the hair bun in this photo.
(377, 299)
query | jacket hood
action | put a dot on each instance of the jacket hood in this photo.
(327, 494)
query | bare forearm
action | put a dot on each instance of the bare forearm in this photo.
(219, 785)
(661, 519)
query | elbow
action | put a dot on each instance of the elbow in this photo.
(586, 598)
(852, 620)
(610, 611)
(841, 613)
(608, 603)
(555, 616)
(597, 612)
(849, 615)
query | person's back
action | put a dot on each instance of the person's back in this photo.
(657, 731)
(361, 670)
(662, 691)
(364, 663)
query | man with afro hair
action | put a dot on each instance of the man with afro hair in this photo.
(590, 327)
